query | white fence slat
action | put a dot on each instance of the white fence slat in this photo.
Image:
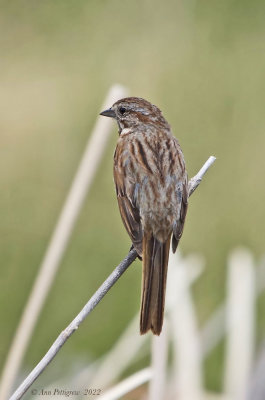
(186, 345)
(157, 386)
(240, 322)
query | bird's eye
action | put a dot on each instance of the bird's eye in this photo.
(122, 110)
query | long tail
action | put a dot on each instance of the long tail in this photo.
(155, 262)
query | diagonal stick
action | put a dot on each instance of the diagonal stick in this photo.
(83, 179)
(95, 299)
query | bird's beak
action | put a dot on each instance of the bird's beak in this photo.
(108, 113)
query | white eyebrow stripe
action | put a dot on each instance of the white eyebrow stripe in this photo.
(142, 110)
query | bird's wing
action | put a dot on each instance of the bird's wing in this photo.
(126, 190)
(179, 224)
(182, 197)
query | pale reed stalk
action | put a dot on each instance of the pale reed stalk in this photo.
(95, 299)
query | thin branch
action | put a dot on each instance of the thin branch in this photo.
(196, 180)
(95, 299)
(79, 189)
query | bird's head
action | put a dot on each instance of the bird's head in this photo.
(132, 112)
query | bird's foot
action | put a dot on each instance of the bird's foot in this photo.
(131, 248)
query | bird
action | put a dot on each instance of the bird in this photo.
(152, 192)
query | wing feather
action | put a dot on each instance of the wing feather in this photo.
(182, 196)
(126, 190)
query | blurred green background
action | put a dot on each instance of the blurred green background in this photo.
(203, 63)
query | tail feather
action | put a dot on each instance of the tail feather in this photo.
(155, 263)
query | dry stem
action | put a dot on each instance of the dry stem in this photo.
(94, 300)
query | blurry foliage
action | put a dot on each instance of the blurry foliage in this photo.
(203, 63)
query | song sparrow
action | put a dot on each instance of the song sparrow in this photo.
(152, 192)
